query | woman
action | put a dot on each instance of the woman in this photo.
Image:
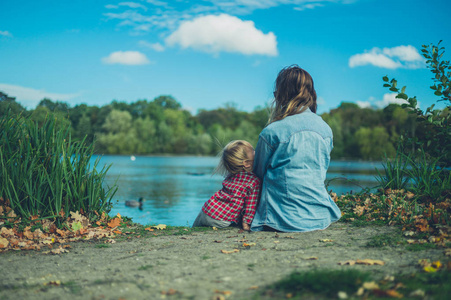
(291, 159)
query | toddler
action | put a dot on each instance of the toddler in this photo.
(237, 200)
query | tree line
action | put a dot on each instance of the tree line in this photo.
(162, 126)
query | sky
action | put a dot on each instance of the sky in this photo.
(213, 53)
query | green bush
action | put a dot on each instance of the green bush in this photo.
(46, 174)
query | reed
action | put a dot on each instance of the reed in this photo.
(45, 173)
(395, 172)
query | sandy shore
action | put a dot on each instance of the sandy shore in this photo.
(193, 266)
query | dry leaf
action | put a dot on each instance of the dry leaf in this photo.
(370, 262)
(276, 242)
(229, 252)
(248, 244)
(159, 226)
(117, 231)
(169, 292)
(110, 241)
(114, 222)
(347, 262)
(393, 294)
(370, 285)
(226, 293)
(148, 229)
(326, 240)
(311, 258)
(214, 228)
(254, 287)
(3, 242)
(447, 252)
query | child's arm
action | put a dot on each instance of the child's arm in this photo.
(250, 205)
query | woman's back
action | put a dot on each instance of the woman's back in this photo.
(292, 157)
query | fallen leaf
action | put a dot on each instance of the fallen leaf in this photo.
(226, 293)
(370, 262)
(114, 222)
(254, 287)
(342, 295)
(370, 285)
(117, 231)
(326, 240)
(148, 229)
(311, 258)
(229, 252)
(3, 242)
(216, 241)
(169, 292)
(110, 241)
(159, 226)
(248, 244)
(447, 252)
(393, 294)
(417, 293)
(276, 242)
(347, 262)
(54, 282)
(214, 228)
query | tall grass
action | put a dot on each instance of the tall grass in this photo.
(45, 173)
(395, 172)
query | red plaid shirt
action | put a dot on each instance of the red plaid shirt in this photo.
(238, 196)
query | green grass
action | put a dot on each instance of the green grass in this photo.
(383, 240)
(145, 267)
(421, 247)
(324, 283)
(44, 173)
(103, 246)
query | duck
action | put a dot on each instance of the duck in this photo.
(134, 203)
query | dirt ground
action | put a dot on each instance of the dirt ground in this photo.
(193, 266)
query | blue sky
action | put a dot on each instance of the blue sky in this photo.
(212, 52)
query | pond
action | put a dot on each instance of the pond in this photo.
(176, 187)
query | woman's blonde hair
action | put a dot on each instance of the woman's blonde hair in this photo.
(233, 156)
(294, 92)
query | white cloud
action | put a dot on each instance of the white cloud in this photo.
(223, 33)
(154, 46)
(133, 5)
(406, 57)
(387, 99)
(5, 33)
(126, 58)
(111, 6)
(30, 97)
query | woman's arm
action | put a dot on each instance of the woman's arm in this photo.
(263, 154)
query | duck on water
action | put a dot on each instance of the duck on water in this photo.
(134, 203)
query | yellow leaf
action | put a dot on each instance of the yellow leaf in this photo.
(370, 285)
(348, 262)
(437, 264)
(430, 269)
(326, 240)
(248, 244)
(214, 228)
(159, 226)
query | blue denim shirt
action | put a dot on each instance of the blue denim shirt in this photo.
(291, 159)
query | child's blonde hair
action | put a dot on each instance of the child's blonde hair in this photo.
(233, 156)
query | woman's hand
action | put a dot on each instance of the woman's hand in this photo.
(246, 227)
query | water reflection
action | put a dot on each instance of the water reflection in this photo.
(175, 188)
